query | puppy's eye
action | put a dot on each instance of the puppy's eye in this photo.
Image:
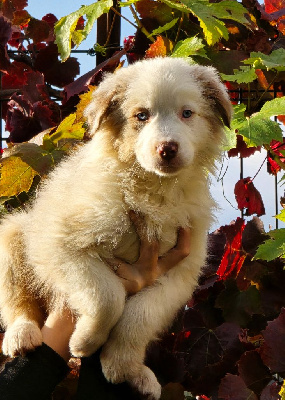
(143, 116)
(186, 113)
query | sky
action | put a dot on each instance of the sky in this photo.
(228, 211)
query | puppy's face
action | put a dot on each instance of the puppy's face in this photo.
(166, 115)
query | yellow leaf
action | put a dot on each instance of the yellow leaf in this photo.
(16, 176)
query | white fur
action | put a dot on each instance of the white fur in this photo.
(50, 256)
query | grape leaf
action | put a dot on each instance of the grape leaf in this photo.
(242, 149)
(274, 247)
(233, 387)
(253, 372)
(66, 26)
(248, 197)
(16, 176)
(259, 129)
(164, 28)
(210, 15)
(238, 306)
(244, 75)
(54, 71)
(38, 30)
(275, 60)
(234, 255)
(273, 351)
(281, 215)
(160, 48)
(5, 31)
(189, 47)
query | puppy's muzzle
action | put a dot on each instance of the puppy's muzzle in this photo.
(167, 150)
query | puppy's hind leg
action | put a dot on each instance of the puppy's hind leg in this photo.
(20, 312)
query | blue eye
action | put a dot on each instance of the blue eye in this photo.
(143, 116)
(186, 113)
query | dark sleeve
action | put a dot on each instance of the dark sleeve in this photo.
(92, 384)
(34, 376)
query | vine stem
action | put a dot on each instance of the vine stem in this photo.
(179, 29)
(122, 16)
(140, 25)
(265, 91)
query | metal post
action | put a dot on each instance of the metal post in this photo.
(109, 33)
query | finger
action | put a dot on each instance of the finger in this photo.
(183, 241)
(177, 253)
(139, 224)
(148, 249)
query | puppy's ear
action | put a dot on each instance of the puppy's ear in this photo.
(104, 99)
(215, 92)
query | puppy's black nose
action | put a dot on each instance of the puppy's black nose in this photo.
(167, 150)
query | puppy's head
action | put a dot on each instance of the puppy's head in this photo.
(163, 114)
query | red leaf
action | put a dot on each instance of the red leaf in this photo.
(4, 60)
(274, 5)
(248, 197)
(10, 6)
(81, 84)
(5, 31)
(273, 349)
(55, 72)
(16, 78)
(234, 254)
(253, 372)
(272, 166)
(242, 149)
(233, 387)
(38, 30)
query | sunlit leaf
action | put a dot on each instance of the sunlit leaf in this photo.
(274, 247)
(66, 26)
(243, 75)
(164, 28)
(275, 60)
(16, 176)
(189, 47)
(160, 48)
(210, 15)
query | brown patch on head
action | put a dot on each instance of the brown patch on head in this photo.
(215, 93)
(105, 103)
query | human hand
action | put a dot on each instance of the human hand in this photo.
(149, 265)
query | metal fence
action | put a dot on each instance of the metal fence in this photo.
(239, 96)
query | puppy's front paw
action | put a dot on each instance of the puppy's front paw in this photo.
(22, 336)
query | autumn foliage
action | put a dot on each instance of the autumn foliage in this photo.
(228, 343)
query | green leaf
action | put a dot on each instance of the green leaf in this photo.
(65, 28)
(127, 3)
(237, 122)
(67, 133)
(281, 216)
(275, 60)
(210, 15)
(164, 28)
(189, 47)
(272, 248)
(244, 75)
(273, 107)
(259, 129)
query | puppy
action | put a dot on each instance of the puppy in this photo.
(156, 127)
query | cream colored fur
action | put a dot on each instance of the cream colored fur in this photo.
(50, 256)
